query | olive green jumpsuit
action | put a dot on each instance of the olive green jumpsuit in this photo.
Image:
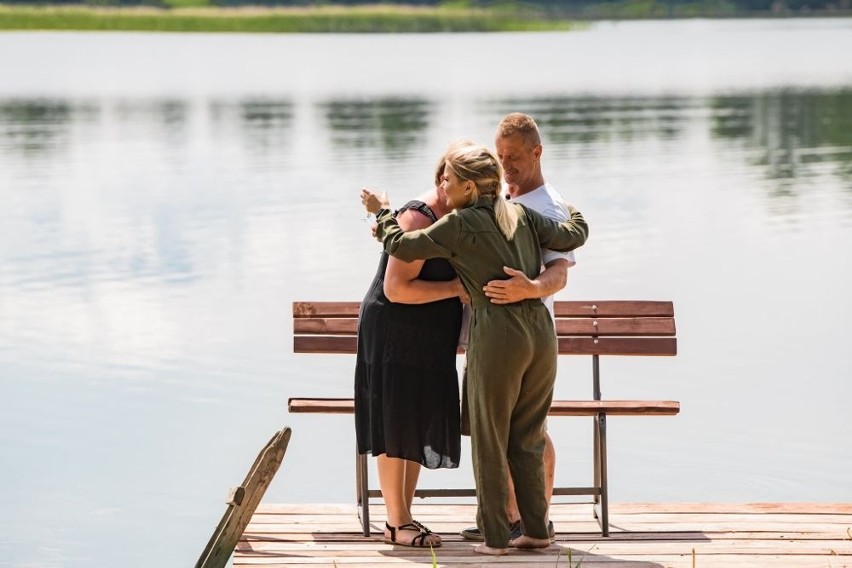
(511, 354)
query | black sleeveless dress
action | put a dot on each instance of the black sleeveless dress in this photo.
(406, 383)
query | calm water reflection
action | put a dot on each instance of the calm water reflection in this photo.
(156, 223)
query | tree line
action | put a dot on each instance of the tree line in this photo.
(545, 8)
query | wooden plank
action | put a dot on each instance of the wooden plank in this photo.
(724, 508)
(374, 546)
(343, 345)
(243, 501)
(557, 408)
(564, 326)
(642, 346)
(325, 309)
(615, 326)
(644, 535)
(573, 308)
(614, 407)
(451, 509)
(321, 405)
(613, 308)
(325, 326)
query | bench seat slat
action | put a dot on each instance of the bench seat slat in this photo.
(332, 344)
(562, 308)
(325, 326)
(557, 408)
(347, 344)
(633, 326)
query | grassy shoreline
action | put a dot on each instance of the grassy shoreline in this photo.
(324, 19)
(376, 18)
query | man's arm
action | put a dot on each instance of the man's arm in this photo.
(518, 287)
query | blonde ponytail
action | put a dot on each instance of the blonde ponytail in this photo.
(506, 216)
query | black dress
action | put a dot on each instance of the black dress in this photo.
(406, 383)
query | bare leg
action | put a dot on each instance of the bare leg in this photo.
(392, 479)
(549, 476)
(412, 474)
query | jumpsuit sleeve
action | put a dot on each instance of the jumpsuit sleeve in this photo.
(565, 236)
(559, 212)
(434, 241)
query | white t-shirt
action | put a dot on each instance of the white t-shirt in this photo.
(547, 201)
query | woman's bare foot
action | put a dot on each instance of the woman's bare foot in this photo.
(485, 549)
(527, 542)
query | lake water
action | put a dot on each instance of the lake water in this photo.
(164, 199)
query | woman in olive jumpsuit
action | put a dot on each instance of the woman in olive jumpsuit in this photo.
(511, 355)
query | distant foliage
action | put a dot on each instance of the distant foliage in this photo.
(552, 8)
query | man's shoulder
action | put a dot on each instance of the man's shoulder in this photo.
(545, 200)
(542, 195)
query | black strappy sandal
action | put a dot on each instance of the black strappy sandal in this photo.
(418, 541)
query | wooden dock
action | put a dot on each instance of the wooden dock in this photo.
(644, 535)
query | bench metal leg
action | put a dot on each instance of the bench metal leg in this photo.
(596, 458)
(362, 491)
(603, 514)
(596, 426)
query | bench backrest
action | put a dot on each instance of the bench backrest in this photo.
(609, 327)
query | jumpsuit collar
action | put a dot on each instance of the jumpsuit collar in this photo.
(486, 201)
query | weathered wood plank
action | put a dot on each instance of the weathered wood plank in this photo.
(375, 547)
(557, 408)
(325, 309)
(722, 508)
(581, 510)
(243, 502)
(735, 535)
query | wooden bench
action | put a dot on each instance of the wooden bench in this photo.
(642, 328)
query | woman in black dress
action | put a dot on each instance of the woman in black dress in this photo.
(406, 383)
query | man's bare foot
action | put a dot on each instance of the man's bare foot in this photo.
(527, 542)
(485, 549)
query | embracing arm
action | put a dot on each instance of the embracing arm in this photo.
(518, 287)
(403, 286)
(554, 277)
(563, 237)
(402, 279)
(414, 245)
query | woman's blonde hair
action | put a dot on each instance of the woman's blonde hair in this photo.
(479, 165)
(442, 161)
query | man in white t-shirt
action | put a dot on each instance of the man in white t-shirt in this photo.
(518, 144)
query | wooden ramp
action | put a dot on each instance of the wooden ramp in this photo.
(644, 535)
